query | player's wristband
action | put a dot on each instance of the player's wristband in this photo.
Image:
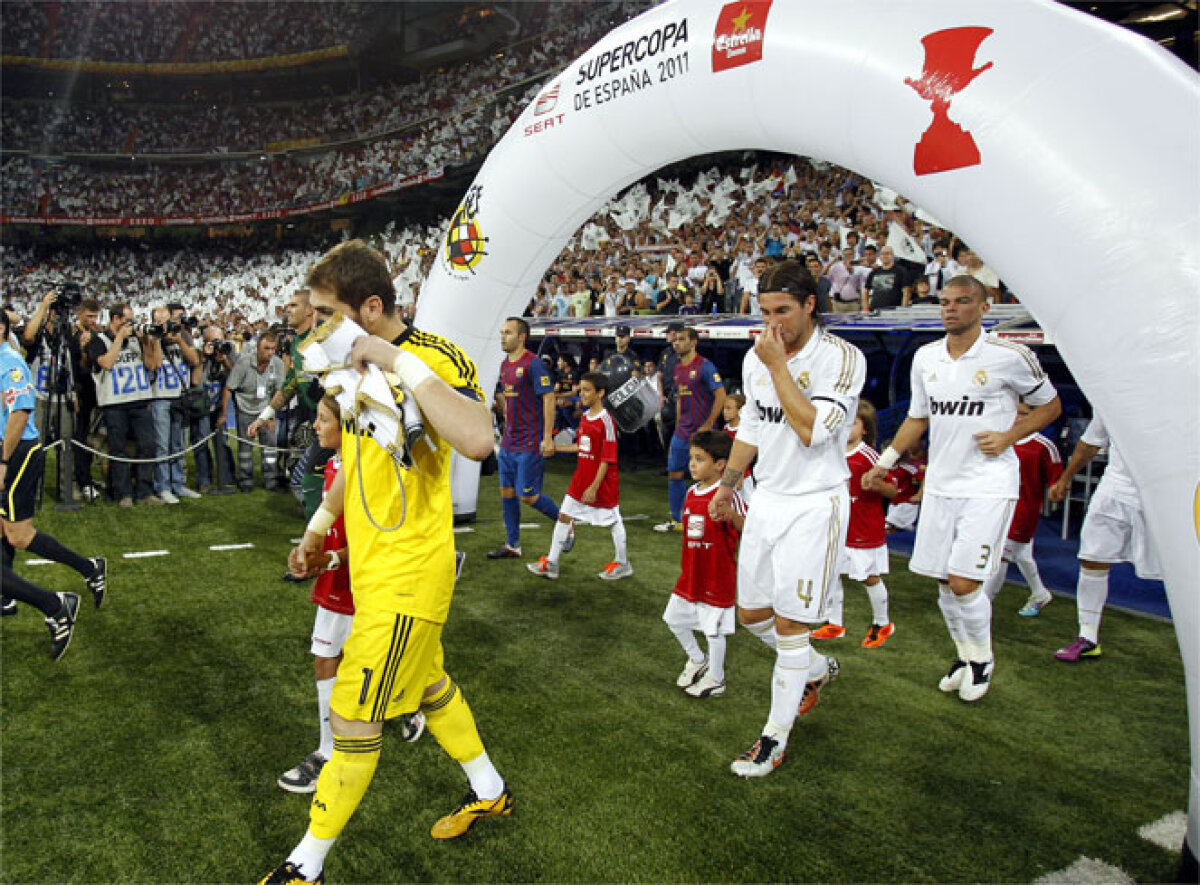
(334, 561)
(321, 522)
(267, 414)
(411, 369)
(888, 459)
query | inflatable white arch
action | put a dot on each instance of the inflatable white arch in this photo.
(1061, 147)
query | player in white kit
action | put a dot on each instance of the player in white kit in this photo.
(965, 389)
(1114, 530)
(801, 386)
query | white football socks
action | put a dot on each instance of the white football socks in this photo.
(951, 614)
(716, 657)
(764, 630)
(793, 657)
(324, 693)
(1090, 595)
(618, 536)
(976, 614)
(687, 639)
(878, 595)
(562, 531)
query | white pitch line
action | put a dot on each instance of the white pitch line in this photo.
(634, 517)
(230, 546)
(38, 561)
(145, 553)
(1086, 871)
(463, 530)
(295, 540)
(531, 525)
(1167, 832)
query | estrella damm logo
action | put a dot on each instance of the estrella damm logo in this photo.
(465, 242)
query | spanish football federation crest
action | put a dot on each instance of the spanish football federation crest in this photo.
(465, 242)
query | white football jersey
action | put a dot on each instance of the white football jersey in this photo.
(975, 393)
(1117, 480)
(830, 372)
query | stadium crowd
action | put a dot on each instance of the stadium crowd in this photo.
(663, 245)
(451, 117)
(160, 31)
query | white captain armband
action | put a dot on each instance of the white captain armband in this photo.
(411, 369)
(321, 522)
(267, 414)
(830, 415)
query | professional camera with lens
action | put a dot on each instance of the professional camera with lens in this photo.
(150, 330)
(69, 294)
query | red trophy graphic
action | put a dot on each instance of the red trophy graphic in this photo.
(949, 69)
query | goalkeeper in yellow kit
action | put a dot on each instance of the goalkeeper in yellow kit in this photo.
(403, 579)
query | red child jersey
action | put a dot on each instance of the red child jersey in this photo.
(865, 531)
(331, 590)
(597, 439)
(709, 559)
(1041, 465)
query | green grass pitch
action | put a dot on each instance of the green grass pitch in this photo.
(149, 752)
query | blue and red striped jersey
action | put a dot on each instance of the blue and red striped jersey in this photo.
(696, 385)
(522, 384)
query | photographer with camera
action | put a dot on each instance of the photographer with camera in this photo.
(169, 345)
(307, 479)
(255, 378)
(87, 323)
(214, 465)
(52, 353)
(121, 366)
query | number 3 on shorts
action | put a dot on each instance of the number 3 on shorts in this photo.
(985, 553)
(804, 591)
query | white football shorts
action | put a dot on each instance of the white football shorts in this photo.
(860, 563)
(791, 548)
(586, 513)
(1114, 530)
(680, 614)
(330, 630)
(961, 536)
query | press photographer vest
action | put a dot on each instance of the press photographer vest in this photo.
(172, 377)
(127, 381)
(40, 367)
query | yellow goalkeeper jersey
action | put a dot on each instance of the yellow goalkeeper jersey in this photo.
(408, 571)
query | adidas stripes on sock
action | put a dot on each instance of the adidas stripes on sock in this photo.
(343, 782)
(1090, 595)
(793, 658)
(764, 630)
(449, 720)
